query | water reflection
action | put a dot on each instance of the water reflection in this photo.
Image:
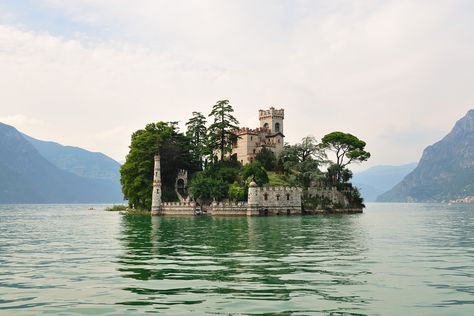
(247, 265)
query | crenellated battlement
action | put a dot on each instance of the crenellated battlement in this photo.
(272, 112)
(252, 131)
(279, 189)
(179, 204)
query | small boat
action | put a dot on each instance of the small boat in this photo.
(91, 209)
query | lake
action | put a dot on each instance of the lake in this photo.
(394, 259)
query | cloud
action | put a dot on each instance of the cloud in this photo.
(372, 68)
(21, 121)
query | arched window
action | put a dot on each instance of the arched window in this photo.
(288, 197)
(265, 125)
(278, 197)
(265, 197)
(277, 127)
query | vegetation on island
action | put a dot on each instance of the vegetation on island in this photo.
(216, 174)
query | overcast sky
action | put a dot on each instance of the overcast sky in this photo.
(398, 74)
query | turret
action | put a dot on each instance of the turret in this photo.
(272, 119)
(156, 195)
(252, 208)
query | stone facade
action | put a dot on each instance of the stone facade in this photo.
(269, 135)
(274, 200)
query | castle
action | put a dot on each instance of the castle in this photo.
(269, 135)
(261, 200)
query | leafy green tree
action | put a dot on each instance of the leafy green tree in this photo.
(257, 172)
(267, 158)
(208, 189)
(221, 132)
(196, 131)
(302, 160)
(309, 149)
(137, 171)
(237, 192)
(347, 148)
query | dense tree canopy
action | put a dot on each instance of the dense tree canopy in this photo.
(196, 131)
(221, 132)
(267, 158)
(137, 171)
(256, 172)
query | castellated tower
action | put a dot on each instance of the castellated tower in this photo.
(272, 119)
(156, 195)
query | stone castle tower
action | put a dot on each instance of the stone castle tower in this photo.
(269, 135)
(272, 119)
(156, 195)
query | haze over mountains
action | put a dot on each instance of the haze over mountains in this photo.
(34, 171)
(379, 179)
(445, 171)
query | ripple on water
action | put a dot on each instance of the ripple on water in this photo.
(393, 259)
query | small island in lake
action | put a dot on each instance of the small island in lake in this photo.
(222, 169)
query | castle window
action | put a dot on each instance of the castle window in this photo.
(279, 141)
(278, 197)
(265, 197)
(287, 197)
(251, 137)
(265, 125)
(254, 151)
(277, 127)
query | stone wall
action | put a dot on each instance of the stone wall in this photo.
(228, 209)
(277, 200)
(178, 208)
(336, 197)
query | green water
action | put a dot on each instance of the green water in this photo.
(395, 259)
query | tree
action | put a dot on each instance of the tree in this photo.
(137, 171)
(221, 132)
(309, 149)
(237, 192)
(197, 133)
(347, 148)
(257, 172)
(208, 189)
(267, 158)
(303, 161)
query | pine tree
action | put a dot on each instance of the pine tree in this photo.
(221, 132)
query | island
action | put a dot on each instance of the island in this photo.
(225, 170)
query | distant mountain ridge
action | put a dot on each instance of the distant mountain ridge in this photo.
(77, 160)
(445, 171)
(379, 179)
(26, 176)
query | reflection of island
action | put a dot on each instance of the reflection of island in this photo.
(204, 260)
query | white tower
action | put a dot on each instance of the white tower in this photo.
(252, 208)
(156, 195)
(272, 119)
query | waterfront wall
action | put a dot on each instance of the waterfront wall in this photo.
(333, 195)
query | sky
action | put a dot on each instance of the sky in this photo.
(397, 74)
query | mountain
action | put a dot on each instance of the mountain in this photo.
(379, 179)
(77, 160)
(445, 171)
(28, 177)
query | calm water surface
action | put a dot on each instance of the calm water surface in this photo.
(395, 259)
